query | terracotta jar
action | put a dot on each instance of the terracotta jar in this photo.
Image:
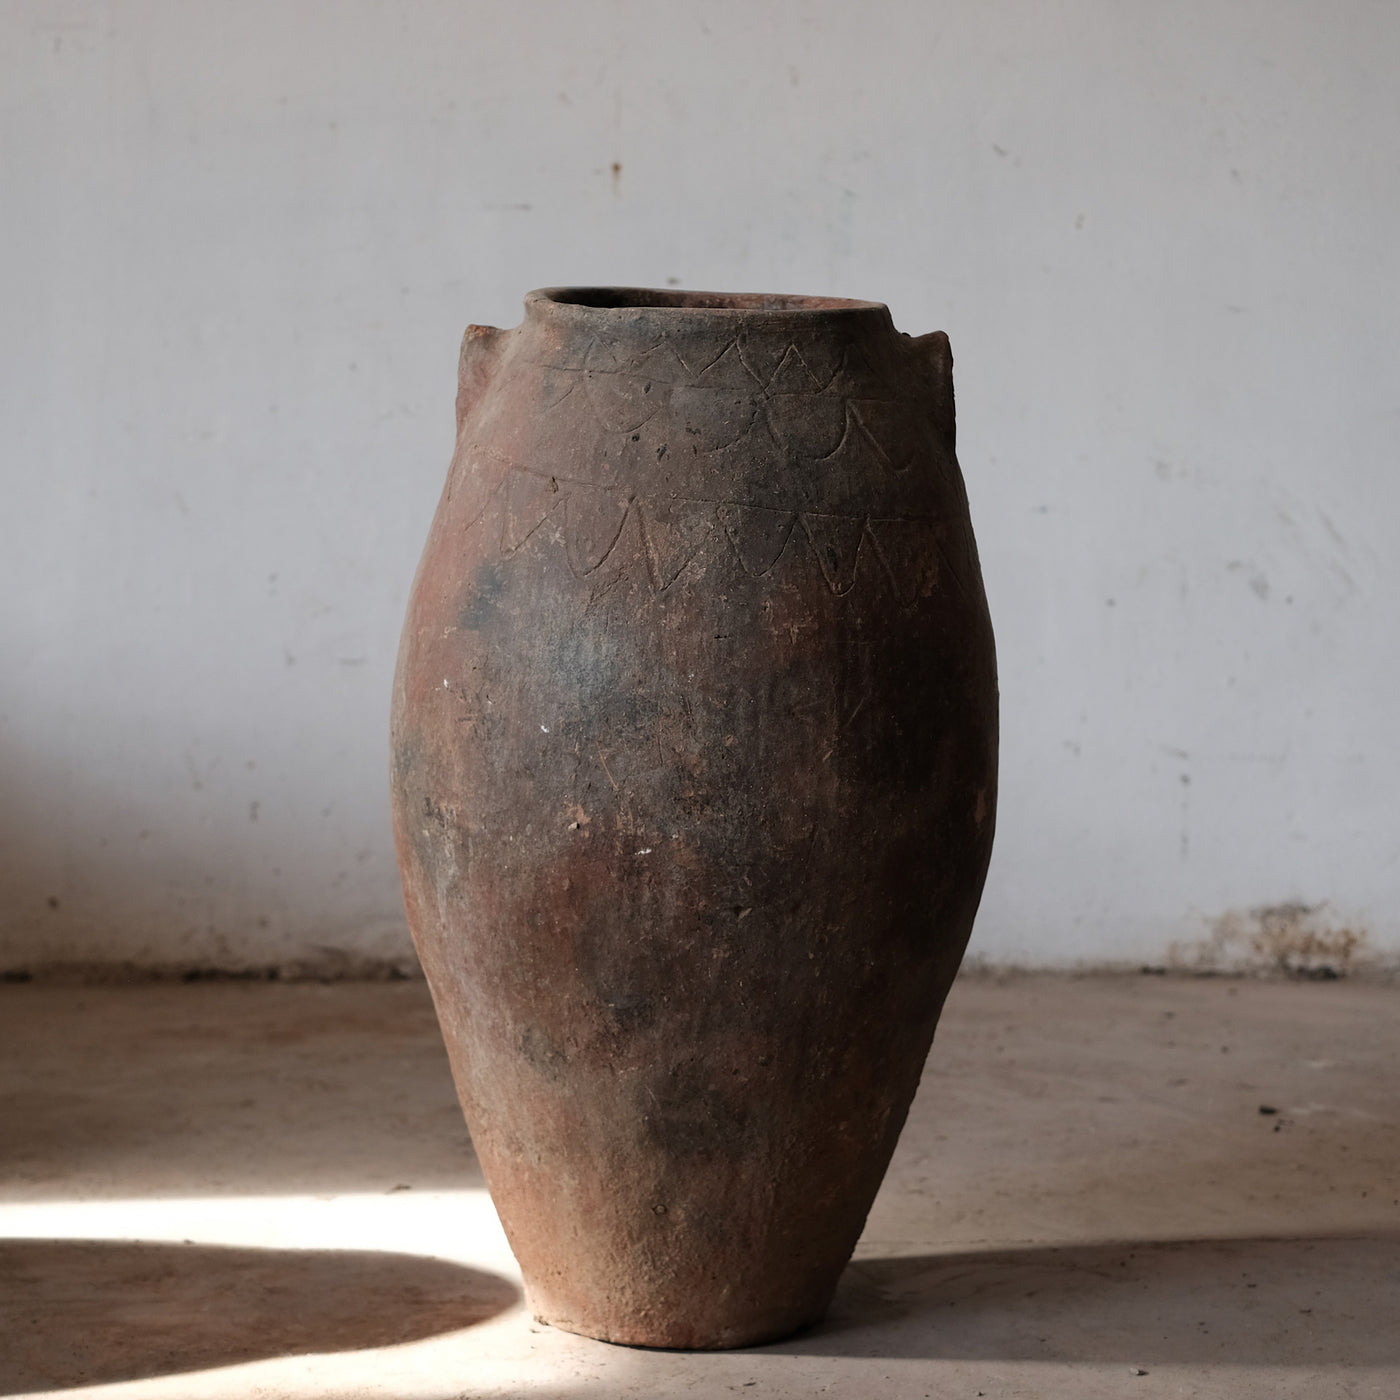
(694, 751)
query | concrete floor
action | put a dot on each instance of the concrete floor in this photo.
(264, 1190)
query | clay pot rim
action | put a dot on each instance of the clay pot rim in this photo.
(674, 303)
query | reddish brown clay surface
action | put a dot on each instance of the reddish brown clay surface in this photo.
(694, 749)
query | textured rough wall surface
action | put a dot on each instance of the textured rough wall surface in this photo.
(239, 249)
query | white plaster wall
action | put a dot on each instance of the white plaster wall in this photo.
(238, 246)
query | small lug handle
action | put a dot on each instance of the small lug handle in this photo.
(936, 354)
(481, 349)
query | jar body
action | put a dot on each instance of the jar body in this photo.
(694, 744)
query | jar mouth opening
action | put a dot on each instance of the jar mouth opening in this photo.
(656, 298)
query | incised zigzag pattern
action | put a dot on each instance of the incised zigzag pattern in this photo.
(824, 419)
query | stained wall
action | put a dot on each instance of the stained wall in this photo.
(239, 244)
